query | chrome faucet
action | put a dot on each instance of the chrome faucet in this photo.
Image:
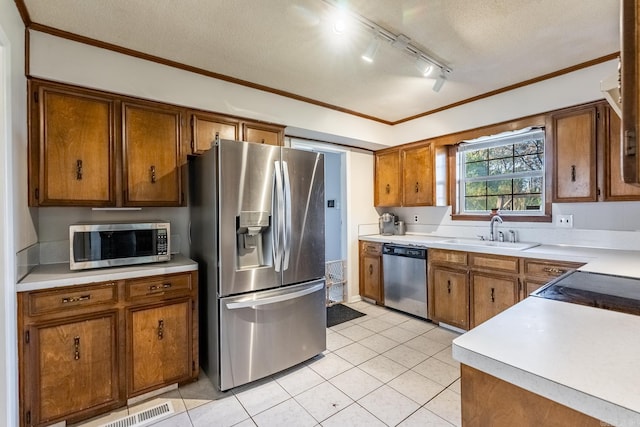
(494, 219)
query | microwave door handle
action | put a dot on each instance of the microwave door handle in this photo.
(287, 215)
(277, 217)
(274, 299)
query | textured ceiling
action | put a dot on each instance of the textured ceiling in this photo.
(289, 45)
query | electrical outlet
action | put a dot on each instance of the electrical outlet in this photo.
(565, 221)
(415, 218)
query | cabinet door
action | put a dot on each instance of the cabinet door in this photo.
(159, 345)
(574, 169)
(417, 176)
(387, 179)
(263, 133)
(152, 155)
(491, 294)
(614, 186)
(451, 297)
(75, 149)
(370, 277)
(205, 128)
(75, 367)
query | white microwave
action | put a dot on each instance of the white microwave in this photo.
(95, 245)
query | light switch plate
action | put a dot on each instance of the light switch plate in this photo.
(564, 221)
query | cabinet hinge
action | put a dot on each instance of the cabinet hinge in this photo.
(27, 418)
(36, 97)
(598, 191)
(37, 194)
(27, 337)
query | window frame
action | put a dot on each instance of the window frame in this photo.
(454, 196)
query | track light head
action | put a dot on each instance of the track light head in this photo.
(439, 81)
(425, 67)
(370, 54)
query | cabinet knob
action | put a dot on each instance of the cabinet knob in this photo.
(573, 173)
(76, 345)
(152, 169)
(493, 297)
(370, 269)
(160, 329)
(417, 188)
(449, 286)
(66, 300)
(79, 170)
(387, 188)
(553, 270)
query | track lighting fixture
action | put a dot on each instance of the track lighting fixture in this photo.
(425, 62)
(439, 82)
(370, 54)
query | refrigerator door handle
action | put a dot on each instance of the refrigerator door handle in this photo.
(277, 209)
(275, 299)
(287, 215)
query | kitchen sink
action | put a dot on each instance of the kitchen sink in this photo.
(517, 246)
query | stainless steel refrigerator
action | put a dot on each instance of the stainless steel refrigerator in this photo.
(257, 232)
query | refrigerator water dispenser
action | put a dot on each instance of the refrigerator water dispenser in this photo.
(251, 240)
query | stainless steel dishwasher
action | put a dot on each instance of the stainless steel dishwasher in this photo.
(405, 278)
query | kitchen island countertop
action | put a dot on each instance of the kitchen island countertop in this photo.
(582, 357)
(47, 276)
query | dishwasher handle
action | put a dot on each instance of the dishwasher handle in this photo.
(404, 251)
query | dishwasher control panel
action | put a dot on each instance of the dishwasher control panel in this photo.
(407, 251)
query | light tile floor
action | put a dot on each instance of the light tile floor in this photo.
(382, 369)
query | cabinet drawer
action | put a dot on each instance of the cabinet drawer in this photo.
(41, 302)
(450, 257)
(179, 284)
(371, 248)
(548, 269)
(499, 263)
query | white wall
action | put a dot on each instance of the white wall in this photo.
(18, 230)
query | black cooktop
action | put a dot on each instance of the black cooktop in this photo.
(596, 290)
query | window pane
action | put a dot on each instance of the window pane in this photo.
(528, 203)
(504, 186)
(502, 202)
(532, 162)
(476, 169)
(475, 188)
(475, 156)
(501, 166)
(529, 147)
(500, 152)
(475, 203)
(527, 185)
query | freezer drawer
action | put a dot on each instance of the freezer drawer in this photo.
(265, 332)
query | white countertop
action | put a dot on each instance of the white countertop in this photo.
(54, 275)
(582, 357)
(597, 260)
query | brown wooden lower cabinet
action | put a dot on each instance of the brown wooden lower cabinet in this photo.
(490, 295)
(490, 401)
(85, 349)
(371, 271)
(450, 297)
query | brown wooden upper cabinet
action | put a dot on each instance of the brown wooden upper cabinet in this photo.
(263, 133)
(206, 128)
(71, 148)
(417, 176)
(615, 189)
(574, 154)
(387, 179)
(630, 84)
(92, 148)
(152, 137)
(405, 177)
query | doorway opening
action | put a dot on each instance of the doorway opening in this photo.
(335, 229)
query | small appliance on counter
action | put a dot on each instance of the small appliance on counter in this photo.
(95, 245)
(387, 223)
(401, 228)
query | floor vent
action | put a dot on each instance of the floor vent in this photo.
(143, 418)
